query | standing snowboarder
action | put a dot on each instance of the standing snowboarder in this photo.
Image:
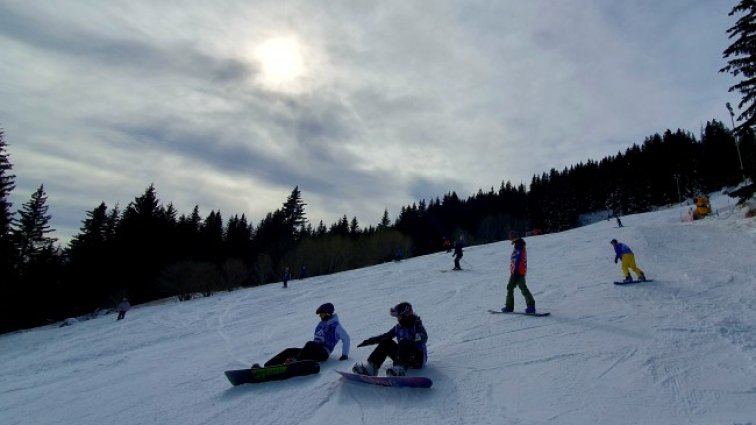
(518, 268)
(409, 351)
(458, 252)
(122, 308)
(624, 253)
(328, 332)
(285, 277)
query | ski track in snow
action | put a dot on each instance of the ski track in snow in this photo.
(680, 350)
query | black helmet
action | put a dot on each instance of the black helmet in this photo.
(613, 241)
(325, 308)
(401, 310)
(519, 243)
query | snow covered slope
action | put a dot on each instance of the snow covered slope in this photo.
(681, 350)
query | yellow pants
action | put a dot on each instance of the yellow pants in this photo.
(628, 262)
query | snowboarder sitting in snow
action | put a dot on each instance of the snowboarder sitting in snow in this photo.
(518, 268)
(328, 332)
(409, 350)
(624, 253)
(122, 308)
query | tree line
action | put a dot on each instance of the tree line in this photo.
(148, 250)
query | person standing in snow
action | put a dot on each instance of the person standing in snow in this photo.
(409, 351)
(458, 252)
(624, 253)
(285, 277)
(122, 308)
(328, 333)
(518, 268)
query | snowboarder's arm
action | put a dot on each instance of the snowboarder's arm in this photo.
(345, 341)
(421, 335)
(377, 339)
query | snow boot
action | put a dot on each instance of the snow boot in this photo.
(366, 368)
(642, 277)
(628, 279)
(396, 370)
(507, 310)
(530, 309)
(256, 366)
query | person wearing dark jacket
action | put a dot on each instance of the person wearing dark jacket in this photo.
(518, 268)
(409, 351)
(458, 252)
(328, 333)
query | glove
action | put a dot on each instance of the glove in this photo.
(515, 275)
(418, 337)
(615, 260)
(343, 357)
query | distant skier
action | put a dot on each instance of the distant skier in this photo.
(458, 252)
(328, 332)
(446, 245)
(285, 277)
(518, 268)
(122, 308)
(624, 253)
(409, 351)
(619, 222)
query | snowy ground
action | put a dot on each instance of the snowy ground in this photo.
(681, 350)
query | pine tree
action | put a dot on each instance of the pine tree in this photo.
(294, 213)
(742, 60)
(31, 230)
(6, 187)
(8, 276)
(385, 221)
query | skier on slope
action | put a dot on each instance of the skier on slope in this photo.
(328, 332)
(518, 268)
(409, 351)
(624, 253)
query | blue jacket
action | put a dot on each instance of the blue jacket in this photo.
(621, 249)
(329, 332)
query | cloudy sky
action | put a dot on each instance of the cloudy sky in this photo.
(365, 105)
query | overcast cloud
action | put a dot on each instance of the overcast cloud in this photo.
(386, 103)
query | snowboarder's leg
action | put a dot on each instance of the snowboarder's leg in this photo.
(509, 304)
(408, 355)
(626, 259)
(281, 357)
(632, 266)
(529, 300)
(313, 351)
(386, 348)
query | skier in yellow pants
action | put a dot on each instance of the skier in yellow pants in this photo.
(624, 253)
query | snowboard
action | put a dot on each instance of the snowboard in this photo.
(520, 313)
(389, 381)
(622, 282)
(272, 373)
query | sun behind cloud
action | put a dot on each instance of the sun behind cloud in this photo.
(281, 62)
